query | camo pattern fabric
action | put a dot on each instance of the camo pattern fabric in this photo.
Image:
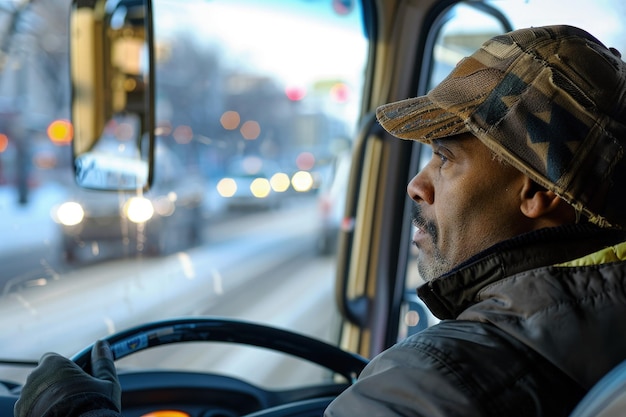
(549, 100)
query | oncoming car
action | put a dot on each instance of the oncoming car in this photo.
(212, 310)
(253, 183)
(168, 217)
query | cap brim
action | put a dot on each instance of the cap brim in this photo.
(419, 119)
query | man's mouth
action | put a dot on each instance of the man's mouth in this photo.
(419, 235)
(423, 228)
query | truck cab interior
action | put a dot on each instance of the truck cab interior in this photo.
(260, 291)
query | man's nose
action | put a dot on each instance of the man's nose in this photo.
(420, 188)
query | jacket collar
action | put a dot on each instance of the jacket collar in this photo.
(451, 293)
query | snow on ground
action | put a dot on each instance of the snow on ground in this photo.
(21, 225)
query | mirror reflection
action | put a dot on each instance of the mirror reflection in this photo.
(112, 99)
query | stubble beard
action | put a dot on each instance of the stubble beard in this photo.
(434, 264)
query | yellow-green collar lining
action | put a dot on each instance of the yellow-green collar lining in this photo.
(609, 254)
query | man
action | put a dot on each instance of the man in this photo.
(520, 219)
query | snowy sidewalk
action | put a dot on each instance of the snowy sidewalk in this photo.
(23, 225)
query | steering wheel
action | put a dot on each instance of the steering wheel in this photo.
(195, 329)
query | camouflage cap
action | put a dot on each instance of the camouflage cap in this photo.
(549, 100)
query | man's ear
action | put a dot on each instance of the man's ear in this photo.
(537, 201)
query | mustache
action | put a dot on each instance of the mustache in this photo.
(418, 220)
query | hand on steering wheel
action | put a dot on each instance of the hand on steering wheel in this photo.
(58, 386)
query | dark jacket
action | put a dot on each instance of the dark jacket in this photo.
(527, 328)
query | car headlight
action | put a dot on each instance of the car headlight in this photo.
(138, 209)
(260, 187)
(227, 187)
(302, 181)
(280, 182)
(69, 213)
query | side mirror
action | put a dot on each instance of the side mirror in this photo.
(112, 78)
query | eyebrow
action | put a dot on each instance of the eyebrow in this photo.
(445, 142)
(455, 140)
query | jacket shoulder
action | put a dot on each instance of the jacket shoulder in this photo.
(459, 368)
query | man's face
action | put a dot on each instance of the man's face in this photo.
(465, 201)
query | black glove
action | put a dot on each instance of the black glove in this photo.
(59, 387)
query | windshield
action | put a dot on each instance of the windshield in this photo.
(254, 102)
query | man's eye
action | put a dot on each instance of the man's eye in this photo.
(441, 156)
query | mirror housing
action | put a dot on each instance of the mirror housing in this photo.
(112, 79)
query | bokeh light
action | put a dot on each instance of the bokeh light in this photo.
(60, 132)
(250, 130)
(230, 120)
(227, 187)
(4, 142)
(295, 93)
(280, 182)
(305, 161)
(183, 134)
(69, 213)
(138, 209)
(302, 181)
(260, 187)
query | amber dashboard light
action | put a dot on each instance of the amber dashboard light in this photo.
(166, 413)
